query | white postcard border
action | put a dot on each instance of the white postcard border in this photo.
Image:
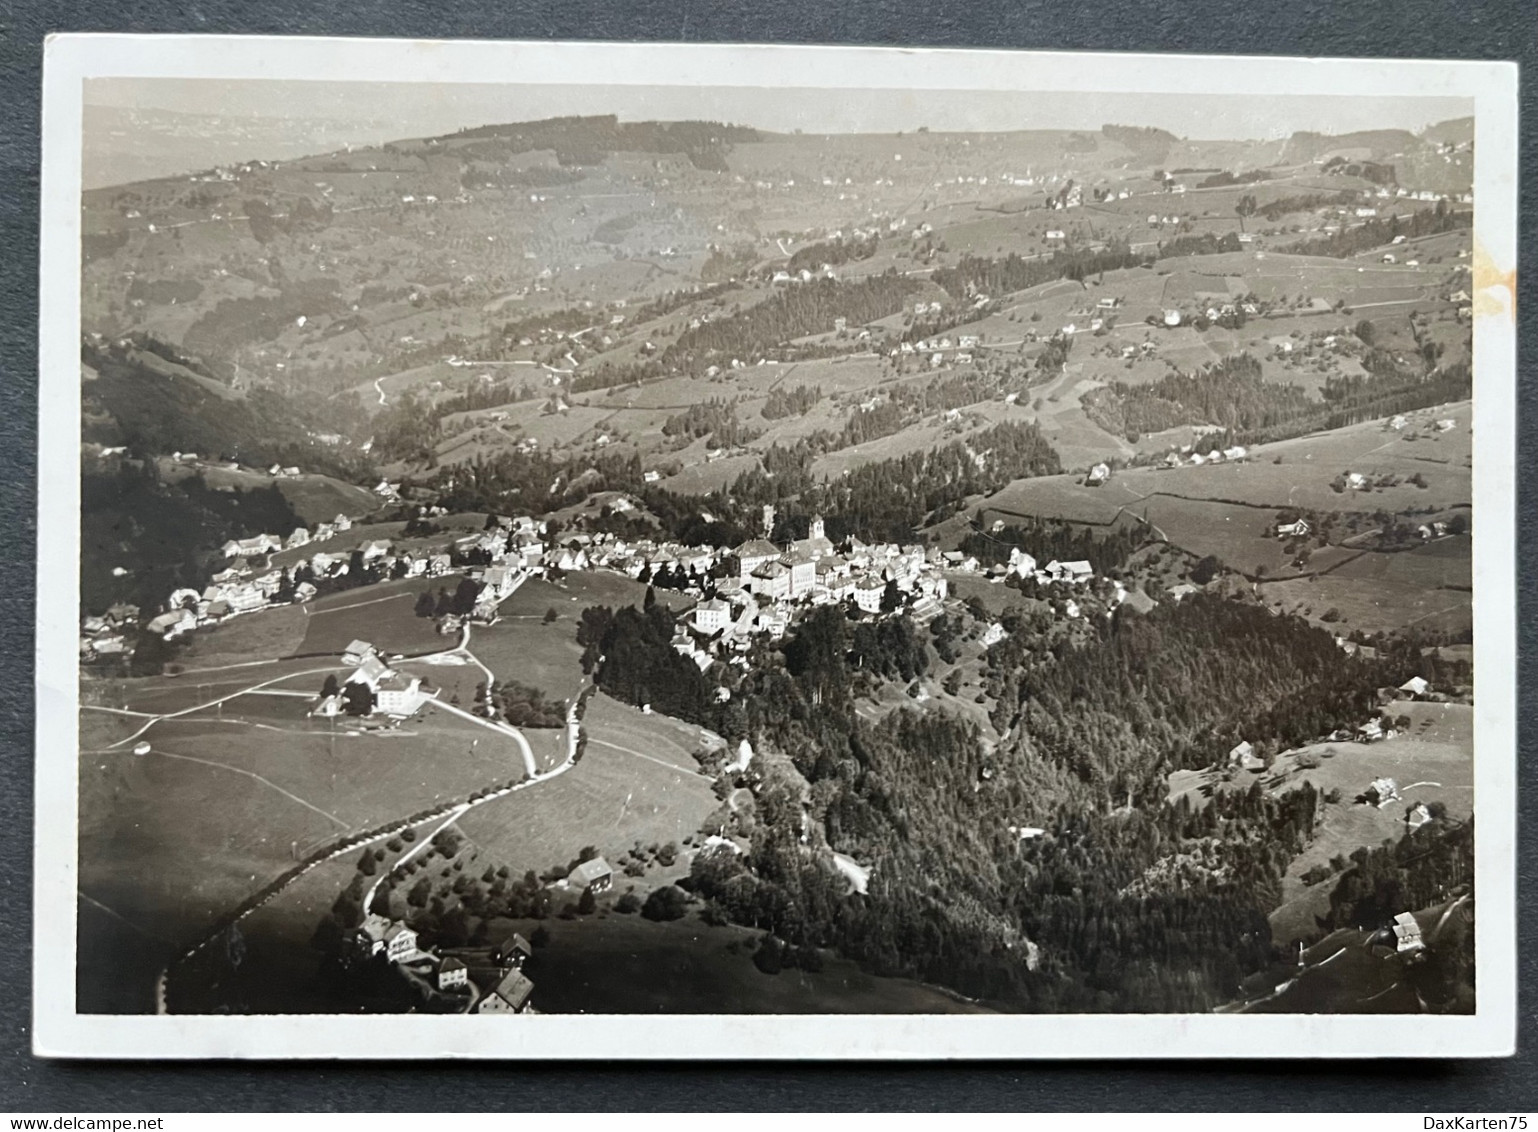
(59, 1032)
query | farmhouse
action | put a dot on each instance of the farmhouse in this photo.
(400, 943)
(1295, 529)
(248, 547)
(1021, 563)
(595, 875)
(377, 935)
(1069, 572)
(1382, 791)
(371, 672)
(1098, 475)
(1244, 756)
(453, 975)
(358, 652)
(1415, 686)
(1407, 933)
(514, 951)
(173, 624)
(509, 996)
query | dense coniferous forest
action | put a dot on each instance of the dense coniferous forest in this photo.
(167, 530)
(1377, 232)
(834, 253)
(975, 274)
(1205, 243)
(795, 402)
(1233, 394)
(796, 311)
(716, 418)
(1306, 202)
(1121, 902)
(886, 499)
(1417, 870)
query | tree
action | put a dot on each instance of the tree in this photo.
(358, 698)
(587, 903)
(464, 597)
(425, 606)
(667, 903)
(1205, 570)
(1245, 207)
(891, 597)
(551, 615)
(329, 687)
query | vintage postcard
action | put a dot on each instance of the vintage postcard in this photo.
(737, 552)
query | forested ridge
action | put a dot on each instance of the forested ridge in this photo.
(1122, 903)
(1232, 393)
(794, 312)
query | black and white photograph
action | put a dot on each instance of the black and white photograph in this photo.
(841, 552)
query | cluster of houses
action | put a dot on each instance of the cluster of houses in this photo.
(108, 635)
(464, 980)
(1186, 457)
(239, 589)
(495, 986)
(768, 581)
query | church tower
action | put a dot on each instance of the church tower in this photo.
(816, 531)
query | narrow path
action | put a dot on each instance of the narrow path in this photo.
(211, 703)
(380, 391)
(648, 758)
(258, 778)
(116, 915)
(356, 604)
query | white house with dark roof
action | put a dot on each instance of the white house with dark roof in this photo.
(594, 875)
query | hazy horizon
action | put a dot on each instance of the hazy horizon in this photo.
(285, 119)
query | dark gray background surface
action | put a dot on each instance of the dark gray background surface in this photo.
(1493, 29)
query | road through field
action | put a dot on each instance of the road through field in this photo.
(445, 816)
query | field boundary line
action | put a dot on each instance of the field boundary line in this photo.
(258, 778)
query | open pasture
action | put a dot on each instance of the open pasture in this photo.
(274, 632)
(1432, 762)
(1375, 605)
(219, 807)
(612, 798)
(703, 477)
(383, 614)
